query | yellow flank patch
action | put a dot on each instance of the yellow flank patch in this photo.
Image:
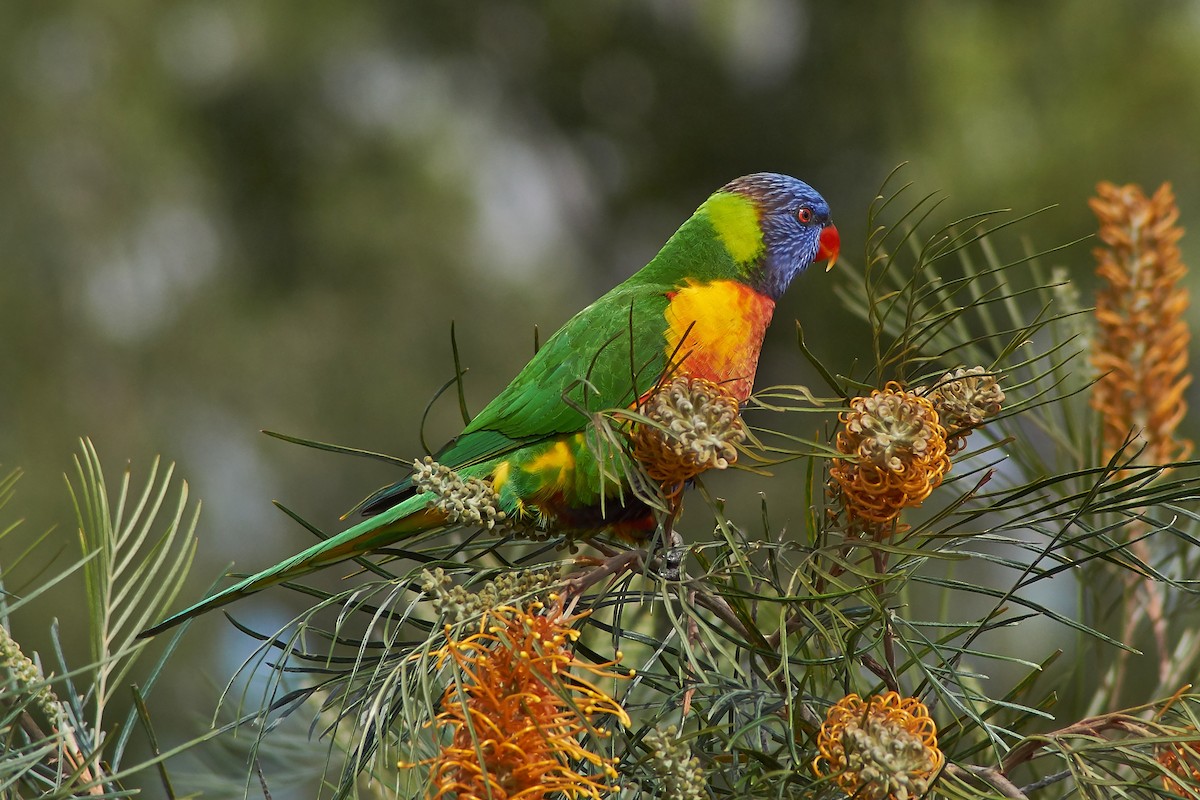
(500, 476)
(558, 458)
(736, 222)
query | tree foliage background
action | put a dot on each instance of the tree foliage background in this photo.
(220, 217)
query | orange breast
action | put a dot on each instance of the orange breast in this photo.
(727, 321)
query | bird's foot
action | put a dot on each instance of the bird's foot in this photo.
(673, 556)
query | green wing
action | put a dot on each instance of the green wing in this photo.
(606, 356)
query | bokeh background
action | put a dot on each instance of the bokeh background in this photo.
(217, 217)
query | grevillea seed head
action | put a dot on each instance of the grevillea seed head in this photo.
(880, 748)
(456, 604)
(679, 772)
(696, 426)
(894, 454)
(965, 398)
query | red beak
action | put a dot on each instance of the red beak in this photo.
(831, 244)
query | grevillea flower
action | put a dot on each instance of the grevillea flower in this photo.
(463, 500)
(1183, 762)
(963, 399)
(517, 711)
(1140, 348)
(697, 428)
(457, 604)
(895, 448)
(25, 674)
(882, 748)
(679, 773)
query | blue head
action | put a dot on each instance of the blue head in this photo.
(795, 228)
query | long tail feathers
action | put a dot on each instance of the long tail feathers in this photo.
(373, 533)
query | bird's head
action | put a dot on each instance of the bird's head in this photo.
(774, 226)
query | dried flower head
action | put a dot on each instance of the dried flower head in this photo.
(883, 748)
(895, 448)
(679, 773)
(1181, 761)
(698, 427)
(517, 711)
(456, 604)
(964, 398)
(1140, 348)
(468, 501)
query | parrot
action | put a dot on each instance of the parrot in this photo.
(699, 308)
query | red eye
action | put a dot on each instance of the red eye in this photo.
(805, 215)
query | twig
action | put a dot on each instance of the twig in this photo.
(262, 779)
(880, 671)
(1049, 780)
(1092, 726)
(580, 582)
(992, 776)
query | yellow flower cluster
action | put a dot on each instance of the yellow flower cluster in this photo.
(895, 454)
(881, 748)
(517, 711)
(1140, 348)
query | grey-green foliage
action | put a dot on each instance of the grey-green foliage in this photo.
(56, 728)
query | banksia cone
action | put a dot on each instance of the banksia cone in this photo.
(895, 448)
(1141, 340)
(882, 748)
(518, 710)
(697, 428)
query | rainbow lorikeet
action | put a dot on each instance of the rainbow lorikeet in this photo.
(700, 308)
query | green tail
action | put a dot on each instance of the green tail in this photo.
(408, 517)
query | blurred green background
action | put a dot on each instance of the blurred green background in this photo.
(218, 217)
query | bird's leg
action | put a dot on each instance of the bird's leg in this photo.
(618, 561)
(672, 543)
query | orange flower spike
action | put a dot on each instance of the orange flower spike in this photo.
(1140, 347)
(881, 748)
(516, 734)
(1180, 761)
